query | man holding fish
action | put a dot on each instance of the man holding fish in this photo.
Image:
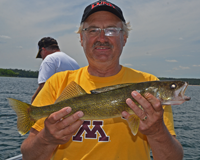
(103, 34)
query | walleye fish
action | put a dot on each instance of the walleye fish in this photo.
(102, 103)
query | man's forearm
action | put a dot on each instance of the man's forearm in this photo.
(164, 146)
(37, 91)
(35, 147)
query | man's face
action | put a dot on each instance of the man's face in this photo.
(44, 52)
(102, 48)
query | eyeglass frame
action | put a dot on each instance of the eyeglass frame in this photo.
(104, 29)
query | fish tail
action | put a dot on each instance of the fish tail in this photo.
(24, 120)
(133, 122)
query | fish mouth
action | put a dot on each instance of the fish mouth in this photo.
(182, 92)
(178, 97)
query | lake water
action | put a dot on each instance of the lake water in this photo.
(186, 118)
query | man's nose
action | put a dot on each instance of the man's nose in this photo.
(102, 37)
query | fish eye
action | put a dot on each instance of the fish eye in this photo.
(173, 86)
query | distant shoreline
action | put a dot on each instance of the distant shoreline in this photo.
(34, 74)
(18, 73)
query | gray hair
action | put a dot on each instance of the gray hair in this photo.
(125, 27)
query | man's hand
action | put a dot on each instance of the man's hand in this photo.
(59, 130)
(163, 145)
(151, 116)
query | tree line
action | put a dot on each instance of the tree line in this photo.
(34, 74)
(191, 81)
(18, 73)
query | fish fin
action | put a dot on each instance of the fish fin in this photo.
(70, 91)
(24, 120)
(133, 122)
(108, 88)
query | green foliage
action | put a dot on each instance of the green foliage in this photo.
(7, 72)
(18, 73)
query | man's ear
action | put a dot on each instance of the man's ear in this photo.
(125, 39)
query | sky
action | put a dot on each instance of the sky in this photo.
(164, 40)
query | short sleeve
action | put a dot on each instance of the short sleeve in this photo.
(168, 119)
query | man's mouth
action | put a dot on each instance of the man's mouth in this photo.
(102, 47)
(99, 45)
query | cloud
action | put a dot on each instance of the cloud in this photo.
(196, 65)
(5, 37)
(128, 65)
(181, 67)
(171, 61)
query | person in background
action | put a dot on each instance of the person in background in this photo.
(103, 34)
(53, 61)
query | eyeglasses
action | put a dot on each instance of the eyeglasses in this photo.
(110, 31)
